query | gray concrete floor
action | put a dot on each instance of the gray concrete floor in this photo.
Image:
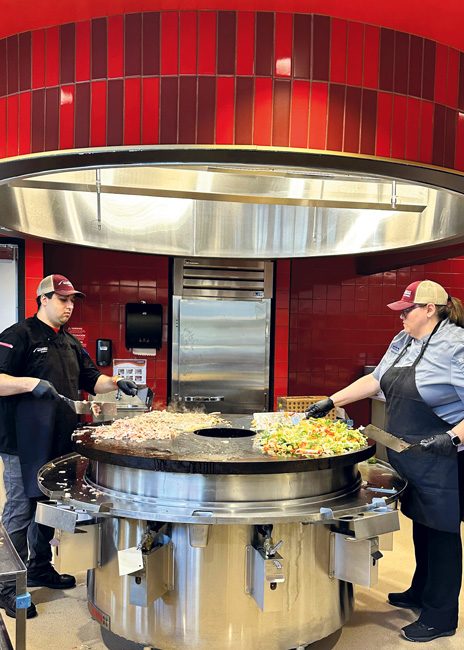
(64, 623)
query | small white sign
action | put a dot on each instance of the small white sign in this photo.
(130, 560)
(134, 369)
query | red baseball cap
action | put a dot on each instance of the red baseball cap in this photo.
(422, 292)
(58, 284)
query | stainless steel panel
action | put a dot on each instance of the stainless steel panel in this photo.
(222, 348)
(208, 607)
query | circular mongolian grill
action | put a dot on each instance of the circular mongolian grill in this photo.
(202, 541)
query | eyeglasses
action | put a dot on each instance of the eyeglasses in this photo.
(405, 312)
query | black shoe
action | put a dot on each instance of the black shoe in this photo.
(8, 603)
(403, 599)
(420, 632)
(50, 578)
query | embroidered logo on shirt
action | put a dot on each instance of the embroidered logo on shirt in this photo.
(395, 348)
(41, 350)
(6, 345)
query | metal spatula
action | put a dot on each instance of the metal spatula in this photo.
(385, 438)
(108, 409)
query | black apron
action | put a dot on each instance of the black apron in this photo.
(432, 495)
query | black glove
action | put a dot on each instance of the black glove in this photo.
(441, 444)
(46, 390)
(127, 386)
(319, 409)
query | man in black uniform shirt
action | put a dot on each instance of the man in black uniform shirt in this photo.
(39, 360)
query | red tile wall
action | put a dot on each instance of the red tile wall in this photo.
(33, 273)
(339, 321)
(110, 280)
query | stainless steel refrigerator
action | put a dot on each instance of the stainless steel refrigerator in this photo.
(221, 334)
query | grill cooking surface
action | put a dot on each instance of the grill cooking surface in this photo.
(193, 453)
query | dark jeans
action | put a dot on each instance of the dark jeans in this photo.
(437, 579)
(31, 540)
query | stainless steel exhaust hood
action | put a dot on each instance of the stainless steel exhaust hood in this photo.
(274, 204)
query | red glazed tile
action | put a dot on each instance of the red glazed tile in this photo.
(150, 111)
(398, 127)
(12, 126)
(283, 45)
(115, 112)
(318, 116)
(225, 110)
(441, 73)
(368, 122)
(387, 57)
(461, 82)
(52, 99)
(384, 124)
(133, 44)
(246, 42)
(338, 50)
(416, 54)
(12, 50)
(321, 48)
(400, 75)
(281, 113)
(188, 42)
(83, 51)
(25, 61)
(82, 115)
(168, 110)
(52, 66)
(426, 130)
(459, 160)
(428, 83)
(169, 43)
(99, 48)
(371, 57)
(300, 114)
(3, 68)
(450, 137)
(264, 62)
(244, 110)
(115, 47)
(67, 53)
(453, 78)
(206, 110)
(24, 123)
(352, 120)
(98, 114)
(132, 111)
(38, 119)
(354, 68)
(335, 117)
(226, 27)
(438, 148)
(413, 129)
(187, 109)
(151, 43)
(67, 117)
(207, 28)
(302, 26)
(263, 112)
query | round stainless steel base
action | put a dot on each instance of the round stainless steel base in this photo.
(208, 606)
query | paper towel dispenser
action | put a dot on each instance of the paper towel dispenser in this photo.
(144, 325)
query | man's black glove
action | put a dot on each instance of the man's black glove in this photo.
(127, 386)
(440, 444)
(319, 409)
(46, 390)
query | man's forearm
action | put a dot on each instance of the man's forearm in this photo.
(10, 385)
(104, 385)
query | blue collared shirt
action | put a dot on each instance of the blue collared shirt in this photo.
(440, 372)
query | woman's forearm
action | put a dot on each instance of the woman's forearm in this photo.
(359, 389)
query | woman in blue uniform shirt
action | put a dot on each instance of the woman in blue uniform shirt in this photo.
(422, 377)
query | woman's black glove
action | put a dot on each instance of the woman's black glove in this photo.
(319, 409)
(127, 386)
(440, 444)
(46, 390)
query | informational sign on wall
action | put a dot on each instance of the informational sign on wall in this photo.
(134, 369)
(81, 334)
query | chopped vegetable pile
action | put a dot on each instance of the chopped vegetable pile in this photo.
(313, 437)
